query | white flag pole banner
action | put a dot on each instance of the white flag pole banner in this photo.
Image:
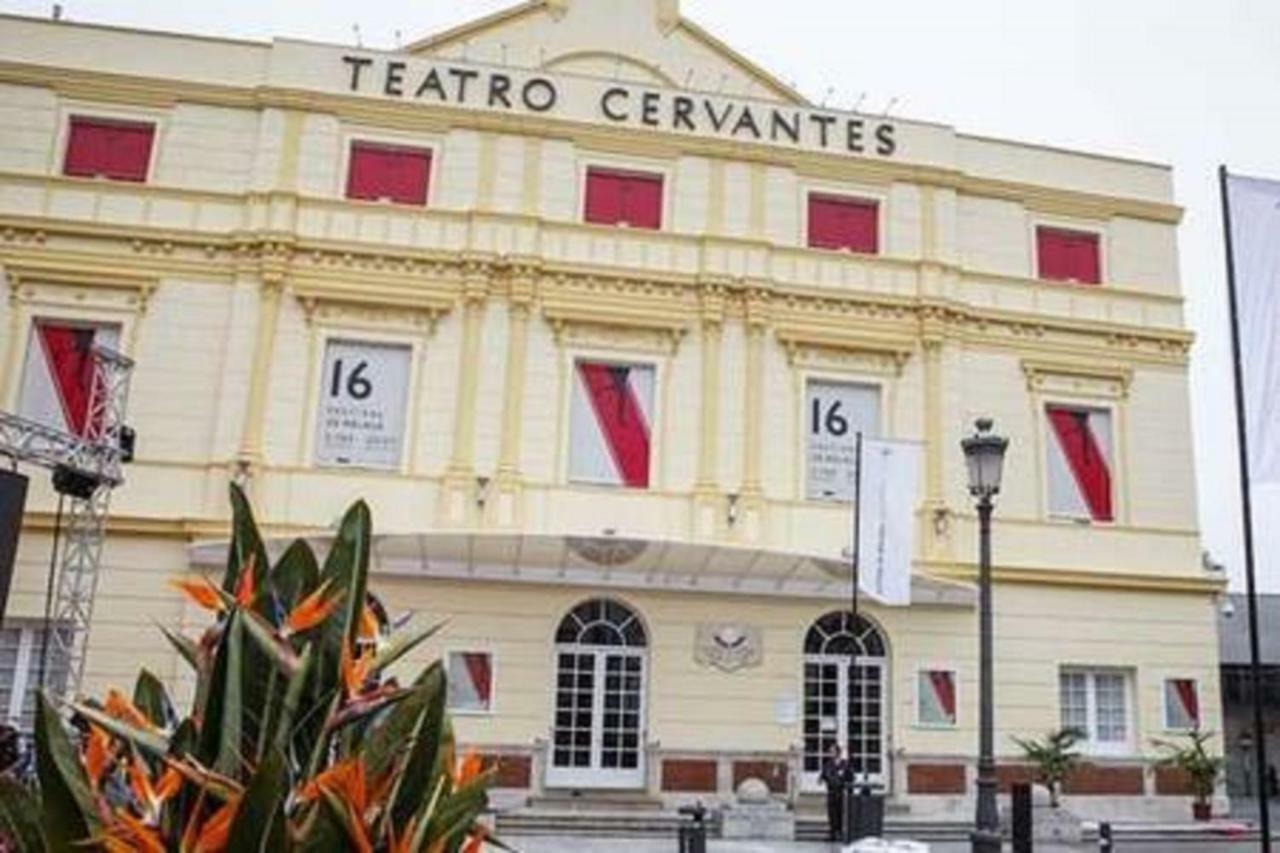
(1255, 244)
(886, 519)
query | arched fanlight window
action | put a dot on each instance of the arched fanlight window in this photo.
(602, 622)
(841, 633)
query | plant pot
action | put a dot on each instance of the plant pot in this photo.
(1201, 811)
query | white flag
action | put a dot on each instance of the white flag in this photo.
(886, 519)
(1255, 245)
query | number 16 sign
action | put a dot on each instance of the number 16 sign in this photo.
(363, 388)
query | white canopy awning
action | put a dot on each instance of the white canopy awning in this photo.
(612, 561)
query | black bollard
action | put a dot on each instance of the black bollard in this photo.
(1021, 819)
(1105, 844)
(693, 835)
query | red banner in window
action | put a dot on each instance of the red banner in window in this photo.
(396, 173)
(843, 223)
(1068, 255)
(620, 419)
(1088, 464)
(623, 198)
(120, 150)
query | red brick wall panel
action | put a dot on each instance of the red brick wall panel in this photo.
(935, 779)
(1102, 780)
(1008, 774)
(689, 774)
(513, 771)
(1172, 782)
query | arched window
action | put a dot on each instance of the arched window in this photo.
(598, 734)
(842, 633)
(845, 702)
(602, 622)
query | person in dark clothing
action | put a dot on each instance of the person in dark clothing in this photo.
(835, 775)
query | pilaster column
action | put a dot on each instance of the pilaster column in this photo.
(271, 289)
(520, 298)
(751, 500)
(459, 487)
(706, 488)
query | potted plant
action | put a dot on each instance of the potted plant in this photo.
(1053, 758)
(298, 738)
(1201, 768)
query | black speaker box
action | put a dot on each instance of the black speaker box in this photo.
(13, 497)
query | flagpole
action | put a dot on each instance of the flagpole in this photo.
(1246, 511)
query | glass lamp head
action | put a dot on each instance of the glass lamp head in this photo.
(984, 455)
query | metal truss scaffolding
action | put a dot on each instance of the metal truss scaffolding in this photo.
(92, 462)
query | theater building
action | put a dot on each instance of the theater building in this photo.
(583, 321)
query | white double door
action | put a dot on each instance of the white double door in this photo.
(597, 739)
(844, 708)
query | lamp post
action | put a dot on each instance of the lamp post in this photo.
(984, 455)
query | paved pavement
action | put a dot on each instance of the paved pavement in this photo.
(544, 844)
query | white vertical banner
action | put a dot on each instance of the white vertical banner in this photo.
(1255, 248)
(886, 519)
(363, 392)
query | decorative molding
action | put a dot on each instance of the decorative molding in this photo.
(592, 311)
(1086, 379)
(371, 305)
(728, 646)
(72, 285)
(852, 352)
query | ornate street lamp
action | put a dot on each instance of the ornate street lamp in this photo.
(984, 454)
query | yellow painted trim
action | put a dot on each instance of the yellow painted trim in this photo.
(464, 424)
(488, 168)
(531, 179)
(269, 295)
(513, 387)
(290, 149)
(756, 210)
(753, 409)
(1047, 576)
(709, 398)
(715, 197)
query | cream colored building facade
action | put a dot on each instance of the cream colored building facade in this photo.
(238, 262)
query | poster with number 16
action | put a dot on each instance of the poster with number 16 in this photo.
(361, 418)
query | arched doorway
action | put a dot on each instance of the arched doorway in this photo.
(842, 706)
(598, 737)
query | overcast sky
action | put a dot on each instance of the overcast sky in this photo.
(1184, 82)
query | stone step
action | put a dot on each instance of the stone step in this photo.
(602, 823)
(594, 823)
(815, 829)
(596, 801)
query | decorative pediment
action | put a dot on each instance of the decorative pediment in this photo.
(79, 286)
(853, 352)
(371, 306)
(581, 37)
(1077, 378)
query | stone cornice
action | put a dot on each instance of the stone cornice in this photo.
(618, 295)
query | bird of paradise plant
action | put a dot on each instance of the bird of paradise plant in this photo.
(297, 738)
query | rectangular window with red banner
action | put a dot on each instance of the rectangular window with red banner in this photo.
(470, 675)
(57, 375)
(844, 223)
(936, 698)
(617, 197)
(382, 172)
(108, 148)
(1181, 704)
(1080, 462)
(1066, 255)
(610, 423)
